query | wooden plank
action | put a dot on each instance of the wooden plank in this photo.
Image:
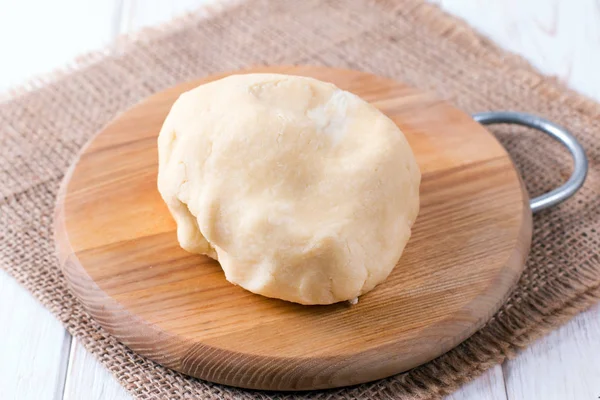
(37, 37)
(440, 289)
(563, 365)
(489, 386)
(34, 346)
(559, 37)
(555, 36)
(88, 379)
(555, 54)
(141, 13)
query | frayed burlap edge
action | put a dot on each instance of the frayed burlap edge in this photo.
(121, 43)
(484, 349)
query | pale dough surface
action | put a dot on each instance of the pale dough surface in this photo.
(302, 191)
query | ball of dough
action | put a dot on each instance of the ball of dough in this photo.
(302, 191)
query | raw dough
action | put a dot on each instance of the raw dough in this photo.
(302, 191)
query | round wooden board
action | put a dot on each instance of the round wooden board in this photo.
(118, 248)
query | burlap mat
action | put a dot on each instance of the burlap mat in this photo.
(42, 129)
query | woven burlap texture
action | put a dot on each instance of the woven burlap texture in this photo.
(43, 128)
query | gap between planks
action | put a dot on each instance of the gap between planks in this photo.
(511, 368)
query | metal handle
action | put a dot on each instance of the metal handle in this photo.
(571, 186)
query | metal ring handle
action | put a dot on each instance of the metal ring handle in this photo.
(575, 181)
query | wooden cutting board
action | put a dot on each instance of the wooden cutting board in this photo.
(118, 248)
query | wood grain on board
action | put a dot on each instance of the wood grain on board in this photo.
(530, 29)
(119, 251)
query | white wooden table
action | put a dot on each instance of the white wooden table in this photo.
(39, 359)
